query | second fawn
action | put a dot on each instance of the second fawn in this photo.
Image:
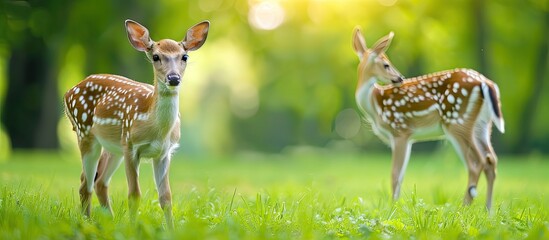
(459, 105)
(116, 118)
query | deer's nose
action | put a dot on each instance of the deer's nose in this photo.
(174, 79)
(397, 80)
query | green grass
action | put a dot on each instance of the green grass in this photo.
(303, 195)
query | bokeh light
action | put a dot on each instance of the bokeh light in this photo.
(347, 123)
(244, 101)
(266, 15)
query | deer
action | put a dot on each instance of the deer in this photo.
(116, 118)
(459, 105)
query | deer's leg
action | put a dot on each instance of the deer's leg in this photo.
(161, 177)
(401, 147)
(101, 191)
(468, 151)
(490, 171)
(89, 150)
(482, 136)
(108, 163)
(132, 176)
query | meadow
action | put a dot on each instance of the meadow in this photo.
(300, 194)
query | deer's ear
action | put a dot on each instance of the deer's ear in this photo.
(383, 44)
(359, 44)
(196, 36)
(138, 36)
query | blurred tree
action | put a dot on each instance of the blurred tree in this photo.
(31, 108)
(275, 74)
(540, 77)
(31, 97)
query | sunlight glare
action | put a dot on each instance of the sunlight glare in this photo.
(266, 15)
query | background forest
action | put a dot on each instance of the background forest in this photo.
(273, 74)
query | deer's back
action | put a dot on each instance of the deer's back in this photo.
(111, 101)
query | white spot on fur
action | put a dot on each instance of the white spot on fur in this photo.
(473, 192)
(464, 92)
(451, 98)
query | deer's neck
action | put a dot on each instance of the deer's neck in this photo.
(165, 108)
(364, 97)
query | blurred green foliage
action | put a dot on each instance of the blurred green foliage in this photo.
(275, 74)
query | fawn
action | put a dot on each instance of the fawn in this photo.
(459, 105)
(117, 118)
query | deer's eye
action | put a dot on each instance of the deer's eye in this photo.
(185, 57)
(156, 58)
(386, 66)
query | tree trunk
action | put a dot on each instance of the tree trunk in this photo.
(31, 109)
(479, 11)
(531, 107)
(479, 8)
